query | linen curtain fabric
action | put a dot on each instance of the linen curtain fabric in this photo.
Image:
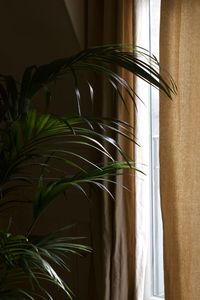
(180, 148)
(111, 21)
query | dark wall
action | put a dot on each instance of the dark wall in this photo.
(36, 32)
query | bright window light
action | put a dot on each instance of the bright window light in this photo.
(149, 235)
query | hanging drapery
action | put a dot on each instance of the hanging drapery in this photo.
(180, 148)
(111, 21)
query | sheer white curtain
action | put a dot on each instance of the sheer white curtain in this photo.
(142, 155)
(145, 39)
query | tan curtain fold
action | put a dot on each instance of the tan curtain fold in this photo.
(111, 21)
(180, 148)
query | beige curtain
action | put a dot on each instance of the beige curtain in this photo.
(111, 21)
(180, 149)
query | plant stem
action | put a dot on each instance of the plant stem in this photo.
(30, 229)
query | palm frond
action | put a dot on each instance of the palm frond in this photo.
(46, 154)
(33, 260)
(46, 193)
(35, 139)
(98, 60)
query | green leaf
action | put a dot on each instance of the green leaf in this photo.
(48, 193)
(34, 262)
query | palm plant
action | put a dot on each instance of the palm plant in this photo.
(30, 138)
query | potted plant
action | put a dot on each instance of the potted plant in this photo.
(34, 143)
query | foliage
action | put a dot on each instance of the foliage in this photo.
(32, 139)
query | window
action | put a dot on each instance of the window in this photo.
(149, 249)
